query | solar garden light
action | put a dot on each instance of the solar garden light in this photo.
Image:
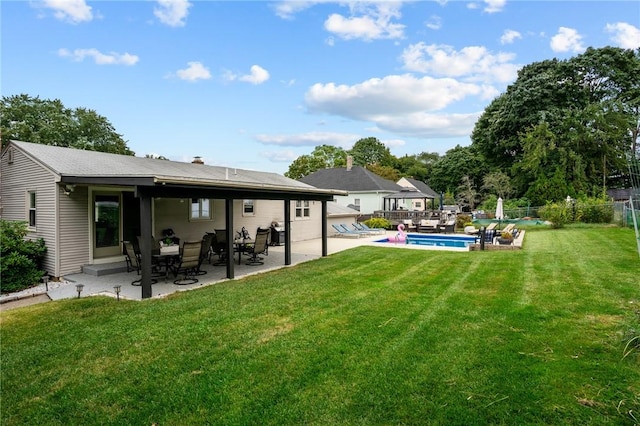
(117, 288)
(79, 288)
(45, 280)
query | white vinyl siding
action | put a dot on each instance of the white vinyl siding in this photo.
(17, 178)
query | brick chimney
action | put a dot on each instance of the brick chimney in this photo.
(349, 162)
(197, 160)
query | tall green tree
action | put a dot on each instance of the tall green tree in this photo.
(371, 151)
(322, 157)
(584, 114)
(49, 122)
(449, 170)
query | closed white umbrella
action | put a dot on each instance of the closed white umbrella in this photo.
(499, 210)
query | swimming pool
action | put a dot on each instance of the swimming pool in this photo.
(445, 241)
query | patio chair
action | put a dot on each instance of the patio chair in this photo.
(205, 251)
(344, 232)
(259, 247)
(131, 256)
(134, 261)
(219, 247)
(188, 263)
(429, 225)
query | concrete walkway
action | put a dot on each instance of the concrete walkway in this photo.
(302, 251)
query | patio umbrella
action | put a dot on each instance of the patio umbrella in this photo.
(499, 211)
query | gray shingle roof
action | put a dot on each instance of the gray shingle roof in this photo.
(423, 187)
(358, 179)
(81, 163)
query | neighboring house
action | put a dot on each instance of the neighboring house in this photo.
(366, 190)
(418, 203)
(85, 203)
(337, 214)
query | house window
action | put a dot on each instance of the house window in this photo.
(418, 204)
(10, 156)
(302, 209)
(248, 208)
(200, 209)
(356, 201)
(32, 208)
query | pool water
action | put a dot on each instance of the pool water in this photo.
(438, 240)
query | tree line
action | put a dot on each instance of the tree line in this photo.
(564, 127)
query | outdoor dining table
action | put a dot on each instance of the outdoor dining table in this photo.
(168, 260)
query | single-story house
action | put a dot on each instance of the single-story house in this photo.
(365, 189)
(84, 204)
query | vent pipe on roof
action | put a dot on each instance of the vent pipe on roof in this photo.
(197, 160)
(349, 162)
(226, 173)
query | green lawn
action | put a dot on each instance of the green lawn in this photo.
(369, 336)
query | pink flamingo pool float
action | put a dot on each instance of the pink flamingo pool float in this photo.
(400, 237)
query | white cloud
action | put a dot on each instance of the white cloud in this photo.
(402, 104)
(258, 75)
(392, 95)
(172, 12)
(73, 11)
(195, 71)
(285, 156)
(434, 22)
(493, 6)
(287, 8)
(427, 125)
(509, 36)
(624, 35)
(567, 40)
(344, 140)
(99, 58)
(373, 22)
(475, 63)
(392, 143)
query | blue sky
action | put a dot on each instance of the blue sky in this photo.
(255, 84)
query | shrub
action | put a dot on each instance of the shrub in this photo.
(594, 210)
(21, 260)
(462, 220)
(558, 214)
(378, 222)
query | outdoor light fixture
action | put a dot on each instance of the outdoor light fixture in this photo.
(68, 189)
(79, 288)
(117, 288)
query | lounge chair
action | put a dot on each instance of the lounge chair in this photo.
(364, 227)
(345, 232)
(449, 226)
(491, 226)
(471, 230)
(354, 229)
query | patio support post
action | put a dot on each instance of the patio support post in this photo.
(228, 213)
(324, 229)
(145, 243)
(287, 232)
